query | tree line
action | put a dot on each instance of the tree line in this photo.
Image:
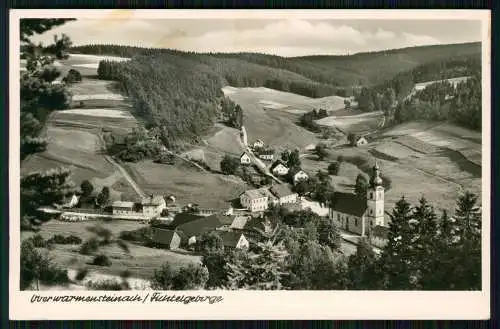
(442, 100)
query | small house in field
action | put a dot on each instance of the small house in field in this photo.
(153, 205)
(165, 237)
(283, 194)
(361, 141)
(234, 240)
(258, 143)
(245, 159)
(71, 202)
(300, 175)
(123, 208)
(279, 168)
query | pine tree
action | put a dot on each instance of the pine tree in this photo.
(424, 243)
(361, 267)
(468, 233)
(397, 254)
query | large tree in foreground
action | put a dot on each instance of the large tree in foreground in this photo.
(38, 94)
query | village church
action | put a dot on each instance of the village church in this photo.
(361, 215)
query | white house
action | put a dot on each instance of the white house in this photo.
(245, 159)
(361, 141)
(283, 194)
(71, 202)
(279, 168)
(300, 175)
(258, 143)
(153, 205)
(359, 215)
(123, 208)
(256, 200)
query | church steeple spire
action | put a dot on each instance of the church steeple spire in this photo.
(375, 179)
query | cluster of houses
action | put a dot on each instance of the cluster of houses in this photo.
(186, 229)
(261, 199)
(149, 207)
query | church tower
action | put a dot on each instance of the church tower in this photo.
(375, 200)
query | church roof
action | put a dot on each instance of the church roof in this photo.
(349, 203)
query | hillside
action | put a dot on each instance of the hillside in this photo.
(337, 71)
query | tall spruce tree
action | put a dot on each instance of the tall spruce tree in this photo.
(362, 273)
(425, 242)
(397, 255)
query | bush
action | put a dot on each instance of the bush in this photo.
(39, 241)
(108, 284)
(73, 76)
(89, 247)
(61, 239)
(141, 235)
(81, 274)
(333, 168)
(102, 260)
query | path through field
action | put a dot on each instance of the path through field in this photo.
(126, 175)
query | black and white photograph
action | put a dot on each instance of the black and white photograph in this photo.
(273, 152)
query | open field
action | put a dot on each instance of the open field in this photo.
(141, 262)
(360, 123)
(99, 113)
(187, 184)
(454, 81)
(272, 126)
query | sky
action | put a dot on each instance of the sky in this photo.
(283, 37)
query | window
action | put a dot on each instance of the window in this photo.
(371, 195)
(371, 223)
(371, 211)
(338, 217)
(356, 222)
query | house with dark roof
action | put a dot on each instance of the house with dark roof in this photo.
(195, 228)
(283, 194)
(165, 237)
(357, 214)
(234, 240)
(123, 208)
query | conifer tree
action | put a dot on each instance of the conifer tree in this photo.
(361, 267)
(397, 254)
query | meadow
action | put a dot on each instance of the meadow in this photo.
(141, 262)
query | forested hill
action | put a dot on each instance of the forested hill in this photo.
(331, 72)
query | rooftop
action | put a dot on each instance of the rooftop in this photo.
(349, 203)
(199, 226)
(162, 236)
(239, 222)
(258, 193)
(123, 204)
(153, 200)
(230, 239)
(281, 190)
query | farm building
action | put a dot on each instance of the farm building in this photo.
(279, 168)
(234, 240)
(283, 194)
(123, 208)
(356, 214)
(165, 237)
(258, 143)
(266, 155)
(153, 205)
(361, 141)
(300, 175)
(256, 200)
(195, 228)
(245, 159)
